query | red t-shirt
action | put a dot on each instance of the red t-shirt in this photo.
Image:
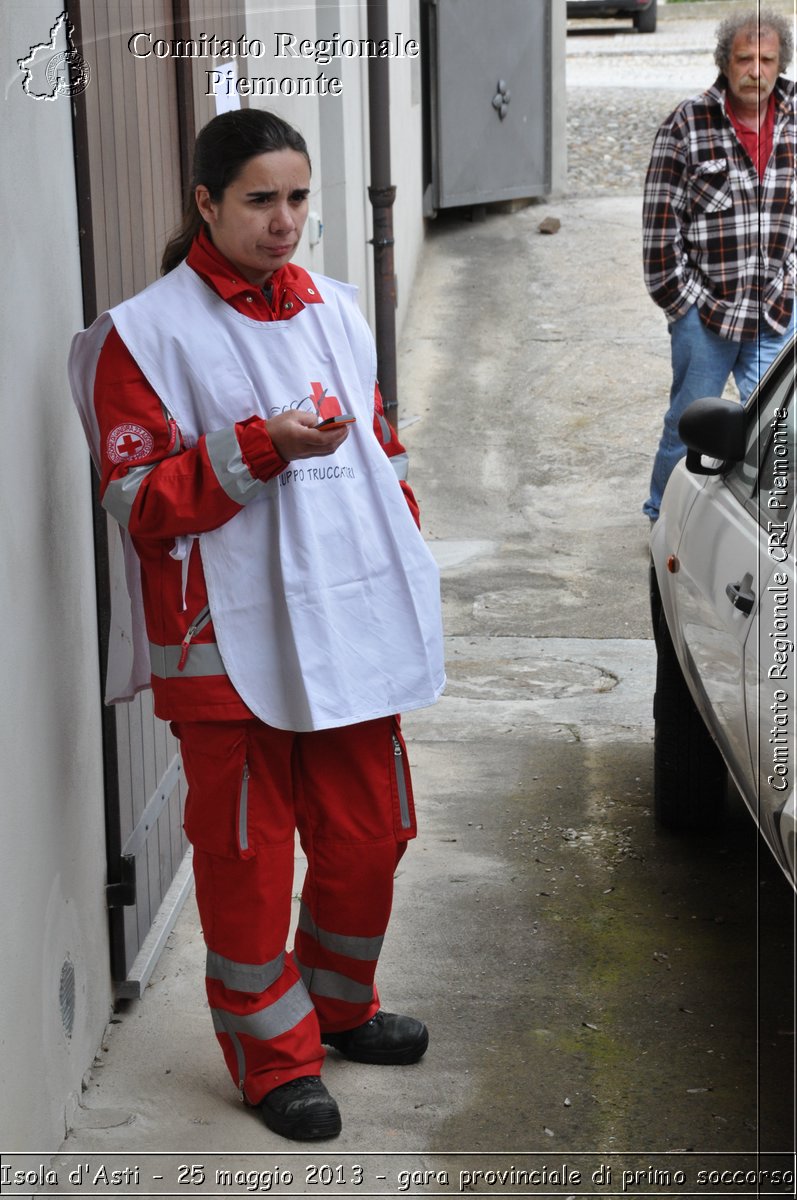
(757, 142)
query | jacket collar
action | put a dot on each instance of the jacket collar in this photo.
(219, 273)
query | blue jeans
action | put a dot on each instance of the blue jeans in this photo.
(701, 364)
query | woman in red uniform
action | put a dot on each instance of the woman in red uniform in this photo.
(290, 608)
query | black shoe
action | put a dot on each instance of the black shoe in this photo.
(387, 1038)
(301, 1109)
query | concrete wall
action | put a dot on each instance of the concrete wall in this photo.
(558, 100)
(52, 859)
(406, 133)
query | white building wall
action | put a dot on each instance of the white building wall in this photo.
(406, 139)
(263, 22)
(558, 101)
(336, 131)
(52, 856)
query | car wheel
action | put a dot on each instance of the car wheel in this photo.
(689, 775)
(645, 22)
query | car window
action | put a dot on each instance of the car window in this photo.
(764, 479)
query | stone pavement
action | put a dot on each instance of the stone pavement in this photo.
(622, 84)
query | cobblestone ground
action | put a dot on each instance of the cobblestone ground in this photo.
(610, 132)
(620, 87)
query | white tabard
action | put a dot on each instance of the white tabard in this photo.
(324, 597)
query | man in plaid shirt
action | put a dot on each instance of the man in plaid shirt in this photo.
(719, 224)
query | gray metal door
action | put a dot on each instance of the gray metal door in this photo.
(489, 98)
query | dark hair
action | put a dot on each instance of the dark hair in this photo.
(754, 23)
(223, 148)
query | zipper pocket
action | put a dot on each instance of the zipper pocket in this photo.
(401, 783)
(243, 810)
(199, 622)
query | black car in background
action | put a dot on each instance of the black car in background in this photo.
(642, 12)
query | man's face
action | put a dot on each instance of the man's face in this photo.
(753, 68)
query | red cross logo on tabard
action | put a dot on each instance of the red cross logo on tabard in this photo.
(325, 405)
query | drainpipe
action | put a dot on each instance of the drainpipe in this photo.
(381, 193)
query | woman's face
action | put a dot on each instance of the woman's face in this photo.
(259, 220)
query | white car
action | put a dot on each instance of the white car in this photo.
(723, 600)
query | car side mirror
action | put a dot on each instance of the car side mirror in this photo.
(715, 428)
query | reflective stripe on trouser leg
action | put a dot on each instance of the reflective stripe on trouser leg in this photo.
(263, 1017)
(239, 818)
(344, 965)
(243, 1037)
(338, 969)
(354, 820)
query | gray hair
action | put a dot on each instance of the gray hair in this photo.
(755, 23)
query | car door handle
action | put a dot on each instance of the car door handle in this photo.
(740, 595)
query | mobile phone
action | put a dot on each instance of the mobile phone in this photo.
(340, 419)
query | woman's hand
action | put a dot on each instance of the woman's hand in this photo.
(294, 435)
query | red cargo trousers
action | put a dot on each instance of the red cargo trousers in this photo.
(348, 792)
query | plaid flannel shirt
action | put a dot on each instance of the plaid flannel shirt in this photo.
(714, 233)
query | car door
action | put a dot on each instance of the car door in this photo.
(718, 548)
(724, 568)
(770, 647)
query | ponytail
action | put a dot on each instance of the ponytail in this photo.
(179, 243)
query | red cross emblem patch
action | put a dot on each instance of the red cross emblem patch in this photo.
(127, 443)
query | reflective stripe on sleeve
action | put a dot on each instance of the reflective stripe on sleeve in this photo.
(365, 949)
(120, 494)
(401, 465)
(204, 659)
(229, 467)
(399, 462)
(269, 1022)
(244, 977)
(334, 985)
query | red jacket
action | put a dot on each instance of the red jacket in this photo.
(159, 490)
